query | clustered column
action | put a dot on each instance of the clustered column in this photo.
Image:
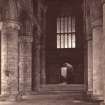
(97, 50)
(39, 36)
(96, 23)
(9, 51)
(95, 72)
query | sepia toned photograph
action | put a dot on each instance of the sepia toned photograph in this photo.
(52, 52)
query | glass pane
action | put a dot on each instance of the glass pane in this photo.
(66, 32)
(69, 40)
(65, 24)
(69, 24)
(73, 41)
(58, 25)
(58, 41)
(73, 24)
(62, 41)
(65, 40)
(62, 25)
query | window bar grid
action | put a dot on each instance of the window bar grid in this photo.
(64, 32)
(75, 30)
(60, 31)
(66, 40)
(71, 33)
(73, 41)
(58, 41)
(67, 32)
(57, 32)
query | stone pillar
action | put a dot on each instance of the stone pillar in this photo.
(9, 52)
(89, 39)
(97, 50)
(9, 58)
(37, 62)
(96, 23)
(90, 67)
(25, 56)
(103, 54)
(43, 68)
(25, 64)
(36, 59)
(43, 50)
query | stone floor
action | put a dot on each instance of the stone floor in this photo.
(55, 95)
(51, 100)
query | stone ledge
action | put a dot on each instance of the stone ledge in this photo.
(25, 39)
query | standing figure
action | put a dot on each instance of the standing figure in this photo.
(66, 73)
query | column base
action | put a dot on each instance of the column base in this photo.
(92, 97)
(15, 97)
(11, 97)
(4, 97)
(37, 89)
(97, 97)
(89, 93)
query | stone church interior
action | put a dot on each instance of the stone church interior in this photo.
(50, 44)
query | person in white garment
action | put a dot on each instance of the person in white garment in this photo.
(66, 71)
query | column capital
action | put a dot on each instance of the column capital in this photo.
(11, 24)
(97, 23)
